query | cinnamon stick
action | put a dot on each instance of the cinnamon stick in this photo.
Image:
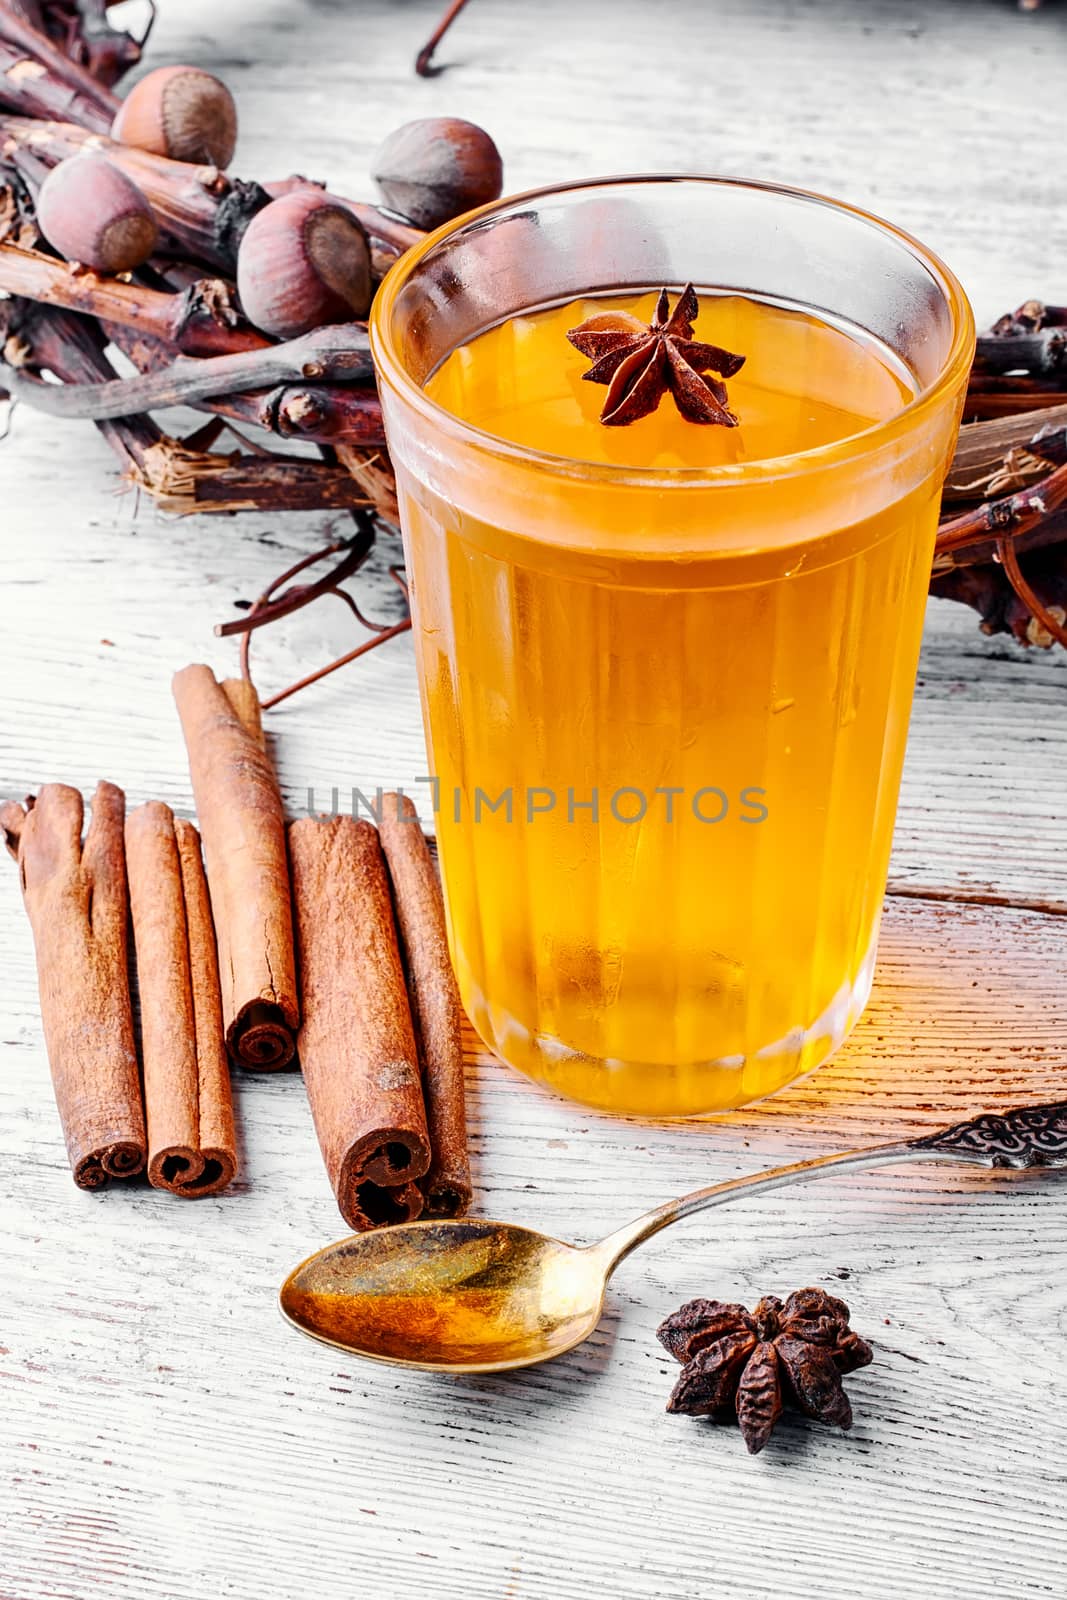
(75, 897)
(241, 819)
(357, 1045)
(191, 1143)
(435, 1004)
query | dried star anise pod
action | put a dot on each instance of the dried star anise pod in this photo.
(750, 1363)
(640, 363)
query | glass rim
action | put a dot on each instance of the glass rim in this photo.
(392, 370)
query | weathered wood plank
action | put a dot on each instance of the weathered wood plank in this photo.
(146, 1391)
(161, 1432)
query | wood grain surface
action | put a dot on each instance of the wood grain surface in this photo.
(161, 1432)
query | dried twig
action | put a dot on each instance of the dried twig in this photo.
(374, 471)
(991, 457)
(272, 605)
(342, 351)
(1008, 516)
(154, 327)
(1030, 317)
(107, 52)
(988, 539)
(180, 477)
(16, 31)
(1007, 397)
(72, 349)
(987, 589)
(202, 320)
(1041, 355)
(424, 59)
(320, 413)
(28, 88)
(1051, 620)
(183, 480)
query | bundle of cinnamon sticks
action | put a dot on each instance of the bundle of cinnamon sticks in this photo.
(326, 940)
(380, 1041)
(173, 1111)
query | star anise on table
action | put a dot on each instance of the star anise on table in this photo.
(751, 1362)
(640, 363)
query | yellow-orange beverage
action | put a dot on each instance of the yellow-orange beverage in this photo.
(666, 672)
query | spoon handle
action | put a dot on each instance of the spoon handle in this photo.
(1029, 1136)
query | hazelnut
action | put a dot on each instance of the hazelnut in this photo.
(181, 112)
(304, 261)
(94, 214)
(437, 168)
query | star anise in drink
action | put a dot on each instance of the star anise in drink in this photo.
(749, 1363)
(640, 363)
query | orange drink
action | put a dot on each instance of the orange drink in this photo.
(666, 668)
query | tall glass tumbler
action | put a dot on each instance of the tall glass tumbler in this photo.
(666, 709)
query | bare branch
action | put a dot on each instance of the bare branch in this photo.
(341, 352)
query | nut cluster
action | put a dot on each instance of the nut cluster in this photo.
(123, 210)
(305, 257)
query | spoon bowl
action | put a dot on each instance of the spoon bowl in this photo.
(471, 1296)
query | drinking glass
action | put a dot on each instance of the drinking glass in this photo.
(666, 709)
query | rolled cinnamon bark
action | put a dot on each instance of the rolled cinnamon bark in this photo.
(241, 819)
(435, 1004)
(357, 1045)
(191, 1143)
(75, 897)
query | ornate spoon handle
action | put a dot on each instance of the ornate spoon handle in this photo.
(1029, 1136)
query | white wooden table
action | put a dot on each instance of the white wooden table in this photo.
(161, 1432)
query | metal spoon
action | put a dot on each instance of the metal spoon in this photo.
(477, 1296)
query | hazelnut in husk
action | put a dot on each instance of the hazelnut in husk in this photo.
(436, 168)
(181, 112)
(95, 215)
(304, 261)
